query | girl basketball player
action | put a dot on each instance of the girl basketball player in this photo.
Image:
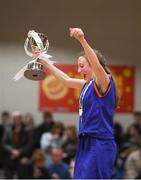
(96, 150)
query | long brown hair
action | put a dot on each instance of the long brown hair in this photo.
(102, 61)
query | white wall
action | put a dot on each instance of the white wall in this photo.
(23, 95)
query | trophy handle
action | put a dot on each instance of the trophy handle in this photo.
(37, 39)
(25, 48)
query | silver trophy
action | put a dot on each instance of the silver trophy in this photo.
(34, 70)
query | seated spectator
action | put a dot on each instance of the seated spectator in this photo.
(133, 134)
(132, 142)
(137, 118)
(29, 122)
(4, 126)
(119, 135)
(132, 168)
(54, 138)
(57, 169)
(45, 126)
(17, 143)
(5, 119)
(34, 169)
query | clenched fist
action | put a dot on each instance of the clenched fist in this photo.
(77, 33)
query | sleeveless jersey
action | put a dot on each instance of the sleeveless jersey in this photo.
(96, 111)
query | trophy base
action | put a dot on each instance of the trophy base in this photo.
(35, 71)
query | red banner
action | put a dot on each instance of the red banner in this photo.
(125, 78)
(55, 97)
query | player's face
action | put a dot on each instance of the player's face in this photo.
(84, 68)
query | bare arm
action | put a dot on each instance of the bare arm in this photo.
(64, 78)
(102, 78)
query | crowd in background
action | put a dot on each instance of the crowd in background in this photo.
(128, 162)
(47, 151)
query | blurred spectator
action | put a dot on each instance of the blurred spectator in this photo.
(46, 126)
(34, 169)
(119, 135)
(137, 118)
(132, 168)
(5, 123)
(30, 128)
(70, 144)
(133, 134)
(5, 119)
(71, 168)
(118, 169)
(57, 169)
(29, 122)
(54, 138)
(132, 142)
(17, 144)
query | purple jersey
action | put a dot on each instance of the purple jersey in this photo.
(96, 111)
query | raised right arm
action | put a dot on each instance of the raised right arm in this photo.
(63, 77)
